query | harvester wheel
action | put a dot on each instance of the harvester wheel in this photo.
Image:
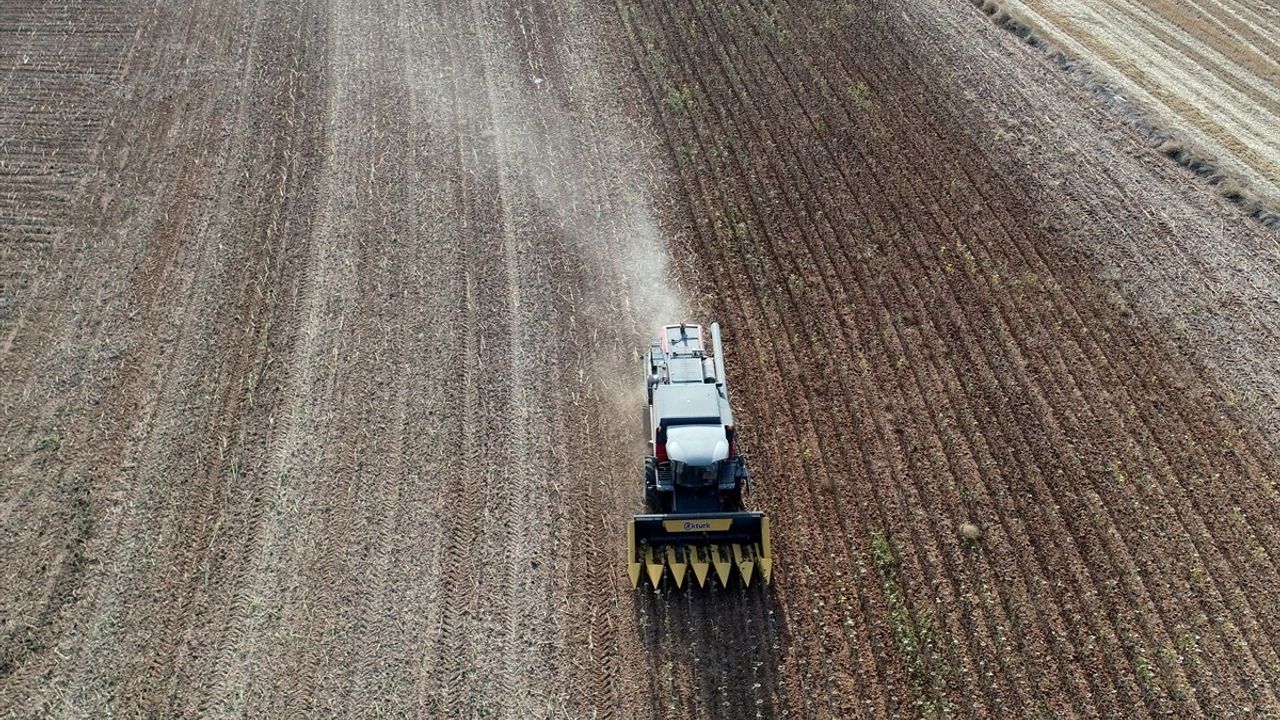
(652, 499)
(733, 499)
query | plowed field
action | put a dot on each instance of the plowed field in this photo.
(320, 335)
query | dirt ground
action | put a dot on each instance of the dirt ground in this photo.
(320, 330)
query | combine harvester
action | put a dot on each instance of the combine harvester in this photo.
(693, 477)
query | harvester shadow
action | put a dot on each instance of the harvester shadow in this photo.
(716, 651)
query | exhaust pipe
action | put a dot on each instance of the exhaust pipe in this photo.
(719, 358)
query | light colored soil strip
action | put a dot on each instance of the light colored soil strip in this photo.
(1246, 145)
(1249, 74)
(1248, 29)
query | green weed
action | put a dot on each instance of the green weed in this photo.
(1145, 675)
(679, 98)
(915, 631)
(50, 442)
(796, 284)
(861, 96)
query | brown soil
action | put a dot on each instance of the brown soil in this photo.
(319, 378)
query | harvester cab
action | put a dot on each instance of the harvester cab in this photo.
(694, 478)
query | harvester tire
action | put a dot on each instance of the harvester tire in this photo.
(652, 496)
(733, 499)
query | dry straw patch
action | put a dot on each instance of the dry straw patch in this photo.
(1201, 86)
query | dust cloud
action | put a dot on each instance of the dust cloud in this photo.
(568, 147)
(574, 166)
(582, 178)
